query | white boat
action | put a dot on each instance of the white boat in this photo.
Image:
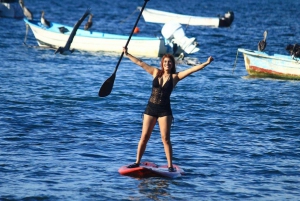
(157, 16)
(10, 9)
(277, 66)
(98, 41)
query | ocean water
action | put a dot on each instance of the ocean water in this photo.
(236, 137)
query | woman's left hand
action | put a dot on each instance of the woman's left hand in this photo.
(210, 59)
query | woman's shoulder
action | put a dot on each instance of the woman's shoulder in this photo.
(157, 73)
(175, 78)
(174, 74)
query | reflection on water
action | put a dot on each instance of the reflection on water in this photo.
(155, 188)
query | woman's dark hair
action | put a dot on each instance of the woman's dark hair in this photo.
(173, 70)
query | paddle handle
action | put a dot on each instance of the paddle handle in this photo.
(136, 22)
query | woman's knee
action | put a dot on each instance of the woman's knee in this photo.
(145, 137)
(166, 140)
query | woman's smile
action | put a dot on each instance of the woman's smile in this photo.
(167, 64)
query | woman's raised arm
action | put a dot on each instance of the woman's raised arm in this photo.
(150, 69)
(183, 74)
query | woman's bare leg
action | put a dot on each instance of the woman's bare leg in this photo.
(165, 130)
(148, 125)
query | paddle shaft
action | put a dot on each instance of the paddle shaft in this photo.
(108, 84)
(136, 22)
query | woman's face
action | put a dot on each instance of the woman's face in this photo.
(167, 64)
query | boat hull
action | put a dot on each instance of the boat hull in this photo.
(277, 66)
(97, 41)
(156, 16)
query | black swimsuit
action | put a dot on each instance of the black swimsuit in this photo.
(159, 101)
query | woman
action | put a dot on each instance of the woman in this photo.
(159, 108)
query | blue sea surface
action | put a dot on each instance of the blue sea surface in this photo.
(236, 137)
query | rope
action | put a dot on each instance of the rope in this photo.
(32, 46)
(25, 39)
(128, 16)
(237, 53)
(38, 47)
(187, 25)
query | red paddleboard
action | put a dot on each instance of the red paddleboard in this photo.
(148, 169)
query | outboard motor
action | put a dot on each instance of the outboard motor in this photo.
(175, 36)
(294, 50)
(227, 19)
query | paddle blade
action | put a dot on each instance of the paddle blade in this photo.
(107, 86)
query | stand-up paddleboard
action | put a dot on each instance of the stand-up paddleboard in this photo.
(148, 169)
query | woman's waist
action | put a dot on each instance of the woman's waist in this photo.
(159, 103)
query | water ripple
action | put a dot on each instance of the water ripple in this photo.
(236, 137)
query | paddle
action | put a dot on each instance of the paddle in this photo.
(108, 84)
